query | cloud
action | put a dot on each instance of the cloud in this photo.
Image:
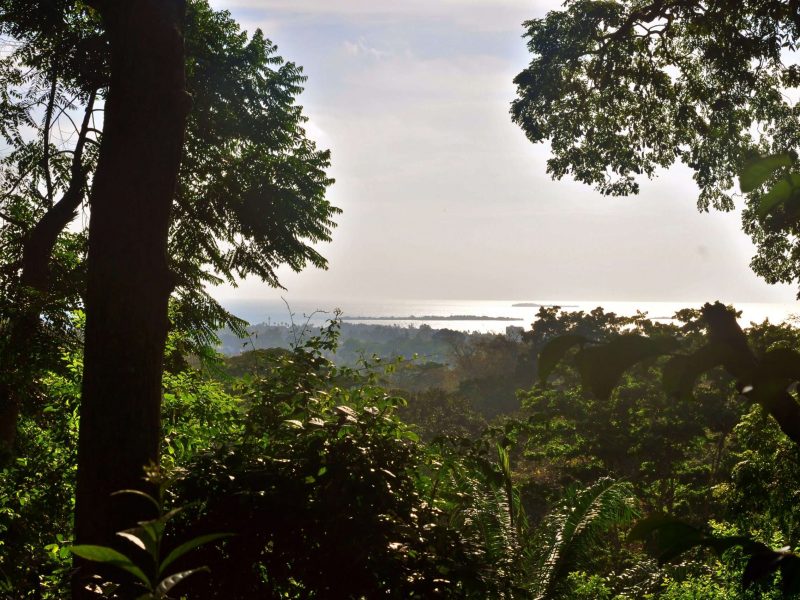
(442, 193)
(476, 15)
(360, 48)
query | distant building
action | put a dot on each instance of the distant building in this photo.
(514, 333)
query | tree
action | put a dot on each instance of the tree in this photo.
(621, 89)
(44, 185)
(251, 194)
(250, 197)
(129, 281)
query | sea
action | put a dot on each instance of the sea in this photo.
(485, 316)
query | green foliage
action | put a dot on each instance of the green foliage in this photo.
(436, 412)
(568, 534)
(299, 457)
(252, 186)
(582, 586)
(763, 380)
(322, 460)
(623, 89)
(148, 537)
(37, 492)
(672, 538)
(37, 489)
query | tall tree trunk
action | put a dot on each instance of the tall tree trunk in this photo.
(18, 358)
(129, 281)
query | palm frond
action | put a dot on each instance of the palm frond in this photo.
(574, 528)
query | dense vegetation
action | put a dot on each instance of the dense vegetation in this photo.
(594, 456)
(334, 485)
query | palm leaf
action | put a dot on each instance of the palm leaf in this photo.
(574, 528)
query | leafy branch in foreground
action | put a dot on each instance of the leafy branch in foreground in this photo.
(621, 90)
(668, 538)
(148, 537)
(767, 380)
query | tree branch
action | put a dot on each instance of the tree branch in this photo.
(8, 218)
(48, 116)
(83, 133)
(39, 245)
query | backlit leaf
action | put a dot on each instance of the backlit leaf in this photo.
(778, 194)
(109, 556)
(189, 546)
(761, 169)
(554, 351)
(170, 582)
(602, 366)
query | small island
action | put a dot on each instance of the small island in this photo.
(434, 318)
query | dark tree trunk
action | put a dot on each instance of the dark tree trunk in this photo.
(18, 358)
(129, 281)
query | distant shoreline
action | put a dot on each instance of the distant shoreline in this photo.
(433, 318)
(535, 305)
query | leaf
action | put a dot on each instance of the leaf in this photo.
(142, 538)
(778, 194)
(670, 536)
(681, 371)
(170, 582)
(602, 366)
(779, 363)
(109, 556)
(762, 564)
(188, 547)
(759, 170)
(153, 529)
(167, 515)
(554, 351)
(134, 539)
(572, 528)
(141, 494)
(346, 410)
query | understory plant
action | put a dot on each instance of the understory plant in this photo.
(153, 575)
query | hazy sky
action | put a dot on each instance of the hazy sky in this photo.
(443, 196)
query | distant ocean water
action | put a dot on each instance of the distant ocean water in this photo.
(276, 312)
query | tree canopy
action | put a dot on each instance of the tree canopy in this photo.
(252, 189)
(621, 89)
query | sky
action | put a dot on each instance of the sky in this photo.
(444, 197)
